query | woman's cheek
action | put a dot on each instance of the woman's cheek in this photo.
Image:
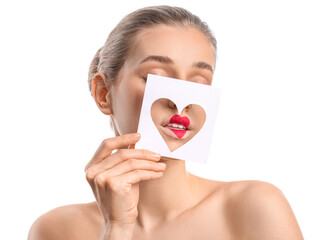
(138, 103)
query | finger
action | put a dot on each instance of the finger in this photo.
(123, 183)
(131, 165)
(109, 144)
(122, 155)
(137, 176)
(125, 154)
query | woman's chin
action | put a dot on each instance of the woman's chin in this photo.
(175, 138)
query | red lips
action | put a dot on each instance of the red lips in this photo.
(180, 120)
(177, 119)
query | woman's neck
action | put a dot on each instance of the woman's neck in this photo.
(163, 199)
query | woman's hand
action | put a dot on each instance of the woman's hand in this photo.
(114, 178)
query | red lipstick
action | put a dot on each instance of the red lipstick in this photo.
(178, 125)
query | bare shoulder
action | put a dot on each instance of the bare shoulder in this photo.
(78, 221)
(259, 210)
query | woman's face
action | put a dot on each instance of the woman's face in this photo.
(182, 53)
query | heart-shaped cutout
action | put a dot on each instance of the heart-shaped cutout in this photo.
(177, 129)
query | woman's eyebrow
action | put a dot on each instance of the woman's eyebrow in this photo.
(203, 65)
(161, 59)
(167, 60)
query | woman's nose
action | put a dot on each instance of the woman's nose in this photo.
(171, 104)
(187, 108)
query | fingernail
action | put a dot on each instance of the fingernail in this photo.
(156, 155)
(162, 164)
(138, 135)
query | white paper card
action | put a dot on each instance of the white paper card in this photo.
(177, 118)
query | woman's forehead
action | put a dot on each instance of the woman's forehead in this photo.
(175, 43)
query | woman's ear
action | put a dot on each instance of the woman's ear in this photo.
(99, 93)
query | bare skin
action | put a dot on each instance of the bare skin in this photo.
(140, 195)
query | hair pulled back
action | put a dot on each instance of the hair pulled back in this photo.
(110, 58)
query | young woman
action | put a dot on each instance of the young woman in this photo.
(140, 194)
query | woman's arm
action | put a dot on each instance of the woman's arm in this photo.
(113, 177)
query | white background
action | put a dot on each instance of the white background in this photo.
(274, 69)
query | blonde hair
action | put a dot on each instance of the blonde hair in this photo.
(110, 58)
